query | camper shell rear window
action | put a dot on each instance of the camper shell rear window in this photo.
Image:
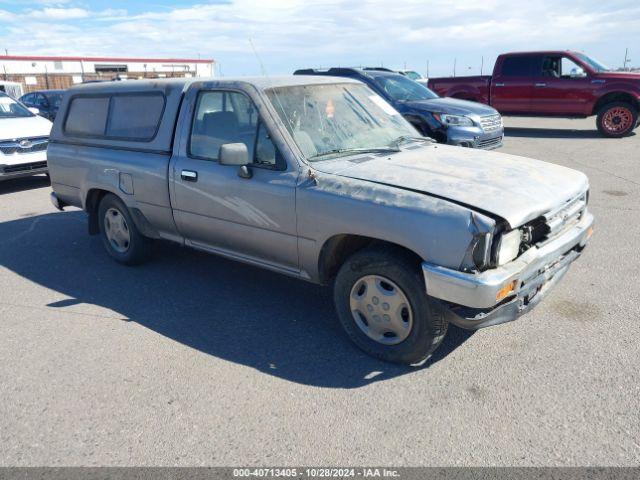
(126, 116)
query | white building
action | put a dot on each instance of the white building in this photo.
(42, 72)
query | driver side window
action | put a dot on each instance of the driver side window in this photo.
(560, 67)
(223, 117)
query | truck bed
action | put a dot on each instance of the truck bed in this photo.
(474, 87)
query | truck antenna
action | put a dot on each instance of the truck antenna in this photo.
(266, 75)
(255, 52)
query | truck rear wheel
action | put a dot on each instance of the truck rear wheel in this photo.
(381, 301)
(617, 119)
(120, 236)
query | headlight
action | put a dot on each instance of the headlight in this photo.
(457, 120)
(509, 246)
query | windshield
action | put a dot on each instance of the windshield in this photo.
(332, 120)
(9, 108)
(54, 99)
(592, 63)
(402, 89)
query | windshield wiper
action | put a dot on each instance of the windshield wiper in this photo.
(347, 151)
(409, 138)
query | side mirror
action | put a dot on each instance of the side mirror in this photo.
(577, 72)
(234, 154)
(34, 110)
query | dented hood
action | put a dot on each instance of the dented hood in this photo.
(517, 189)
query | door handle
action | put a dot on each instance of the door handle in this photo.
(498, 84)
(189, 176)
(541, 84)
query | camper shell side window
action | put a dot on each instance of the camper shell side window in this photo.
(129, 116)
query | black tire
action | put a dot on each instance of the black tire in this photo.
(429, 324)
(608, 122)
(137, 247)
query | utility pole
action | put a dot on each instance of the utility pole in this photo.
(454, 66)
(481, 64)
(427, 68)
(626, 59)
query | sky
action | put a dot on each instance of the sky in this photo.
(291, 34)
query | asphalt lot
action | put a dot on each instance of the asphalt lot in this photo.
(196, 360)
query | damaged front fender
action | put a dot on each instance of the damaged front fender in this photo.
(438, 231)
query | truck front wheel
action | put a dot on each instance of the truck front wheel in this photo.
(120, 236)
(382, 304)
(617, 119)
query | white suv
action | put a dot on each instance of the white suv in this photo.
(24, 137)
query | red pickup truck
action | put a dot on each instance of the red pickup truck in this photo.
(553, 83)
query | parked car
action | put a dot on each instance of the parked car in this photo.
(46, 101)
(452, 121)
(23, 140)
(553, 83)
(317, 178)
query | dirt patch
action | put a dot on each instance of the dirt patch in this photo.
(616, 193)
(475, 391)
(581, 311)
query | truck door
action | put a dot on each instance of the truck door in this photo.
(512, 84)
(251, 219)
(561, 87)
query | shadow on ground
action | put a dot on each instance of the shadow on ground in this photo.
(26, 183)
(275, 324)
(525, 132)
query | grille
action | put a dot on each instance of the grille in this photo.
(24, 167)
(491, 123)
(489, 143)
(566, 216)
(544, 229)
(19, 146)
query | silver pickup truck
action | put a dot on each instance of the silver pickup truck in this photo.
(321, 179)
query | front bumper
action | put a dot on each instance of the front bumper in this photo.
(474, 137)
(471, 299)
(22, 170)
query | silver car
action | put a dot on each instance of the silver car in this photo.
(320, 179)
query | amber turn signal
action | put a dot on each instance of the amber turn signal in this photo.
(506, 290)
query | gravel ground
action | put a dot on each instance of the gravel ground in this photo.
(196, 360)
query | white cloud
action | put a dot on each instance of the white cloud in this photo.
(296, 33)
(56, 13)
